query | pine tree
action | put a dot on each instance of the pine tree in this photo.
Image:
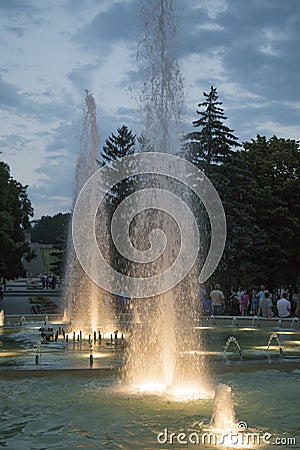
(212, 150)
(115, 148)
(214, 142)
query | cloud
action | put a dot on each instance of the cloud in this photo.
(119, 23)
(248, 50)
(81, 76)
(9, 95)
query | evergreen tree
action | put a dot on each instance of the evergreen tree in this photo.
(116, 147)
(211, 149)
(214, 142)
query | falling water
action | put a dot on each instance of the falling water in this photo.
(86, 303)
(164, 327)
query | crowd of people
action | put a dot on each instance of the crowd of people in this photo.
(49, 281)
(254, 302)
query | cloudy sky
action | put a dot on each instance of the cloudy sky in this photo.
(52, 51)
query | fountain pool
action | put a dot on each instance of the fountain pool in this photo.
(64, 402)
(242, 346)
(67, 411)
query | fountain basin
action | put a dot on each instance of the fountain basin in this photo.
(64, 411)
(18, 347)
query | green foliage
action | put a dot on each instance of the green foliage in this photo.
(214, 142)
(273, 190)
(50, 229)
(54, 230)
(260, 191)
(116, 147)
(15, 211)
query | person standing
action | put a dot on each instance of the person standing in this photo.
(265, 305)
(255, 302)
(234, 303)
(244, 303)
(217, 300)
(284, 306)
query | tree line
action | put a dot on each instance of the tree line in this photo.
(257, 181)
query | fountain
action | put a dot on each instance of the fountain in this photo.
(235, 322)
(223, 416)
(164, 323)
(294, 322)
(255, 319)
(85, 302)
(274, 336)
(164, 354)
(22, 320)
(232, 340)
(2, 318)
(38, 356)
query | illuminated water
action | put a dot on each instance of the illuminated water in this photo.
(18, 347)
(61, 412)
(87, 306)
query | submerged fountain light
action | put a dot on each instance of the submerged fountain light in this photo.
(175, 393)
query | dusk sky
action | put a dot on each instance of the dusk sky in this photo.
(52, 51)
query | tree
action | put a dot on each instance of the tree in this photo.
(50, 229)
(213, 149)
(54, 230)
(15, 211)
(273, 190)
(214, 142)
(115, 148)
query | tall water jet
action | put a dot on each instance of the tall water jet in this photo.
(88, 307)
(164, 330)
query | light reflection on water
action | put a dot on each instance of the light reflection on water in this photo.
(71, 412)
